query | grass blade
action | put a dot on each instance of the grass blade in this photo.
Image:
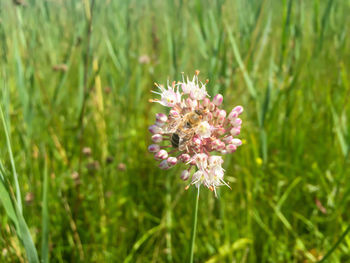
(5, 199)
(45, 219)
(229, 249)
(138, 244)
(238, 57)
(27, 240)
(335, 245)
(325, 19)
(21, 226)
(15, 177)
(339, 132)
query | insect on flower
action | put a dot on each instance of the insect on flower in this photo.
(186, 128)
(195, 131)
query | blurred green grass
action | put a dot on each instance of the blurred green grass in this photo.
(287, 62)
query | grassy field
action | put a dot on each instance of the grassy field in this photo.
(75, 80)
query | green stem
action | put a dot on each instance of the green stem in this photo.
(336, 244)
(168, 219)
(194, 227)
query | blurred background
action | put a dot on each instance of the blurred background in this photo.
(75, 80)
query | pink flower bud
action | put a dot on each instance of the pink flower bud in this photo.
(222, 113)
(233, 115)
(185, 174)
(155, 129)
(184, 157)
(153, 148)
(221, 146)
(156, 138)
(211, 106)
(163, 165)
(217, 100)
(159, 124)
(216, 113)
(174, 114)
(206, 102)
(228, 139)
(209, 116)
(231, 148)
(237, 142)
(235, 131)
(238, 109)
(215, 144)
(218, 145)
(172, 161)
(221, 120)
(161, 155)
(237, 122)
(221, 131)
(161, 117)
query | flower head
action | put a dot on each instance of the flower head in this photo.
(195, 132)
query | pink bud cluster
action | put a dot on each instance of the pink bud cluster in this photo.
(194, 132)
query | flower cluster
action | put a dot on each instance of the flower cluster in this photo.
(194, 129)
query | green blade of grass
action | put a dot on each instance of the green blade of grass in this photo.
(26, 238)
(19, 221)
(229, 249)
(45, 219)
(2, 171)
(339, 132)
(325, 19)
(263, 44)
(238, 57)
(347, 230)
(143, 239)
(286, 193)
(286, 31)
(14, 172)
(21, 226)
(5, 199)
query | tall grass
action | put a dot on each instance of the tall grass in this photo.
(286, 62)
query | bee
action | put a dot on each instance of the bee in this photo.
(185, 128)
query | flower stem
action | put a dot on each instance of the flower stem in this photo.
(194, 227)
(168, 220)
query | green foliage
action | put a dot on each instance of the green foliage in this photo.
(64, 90)
(13, 207)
